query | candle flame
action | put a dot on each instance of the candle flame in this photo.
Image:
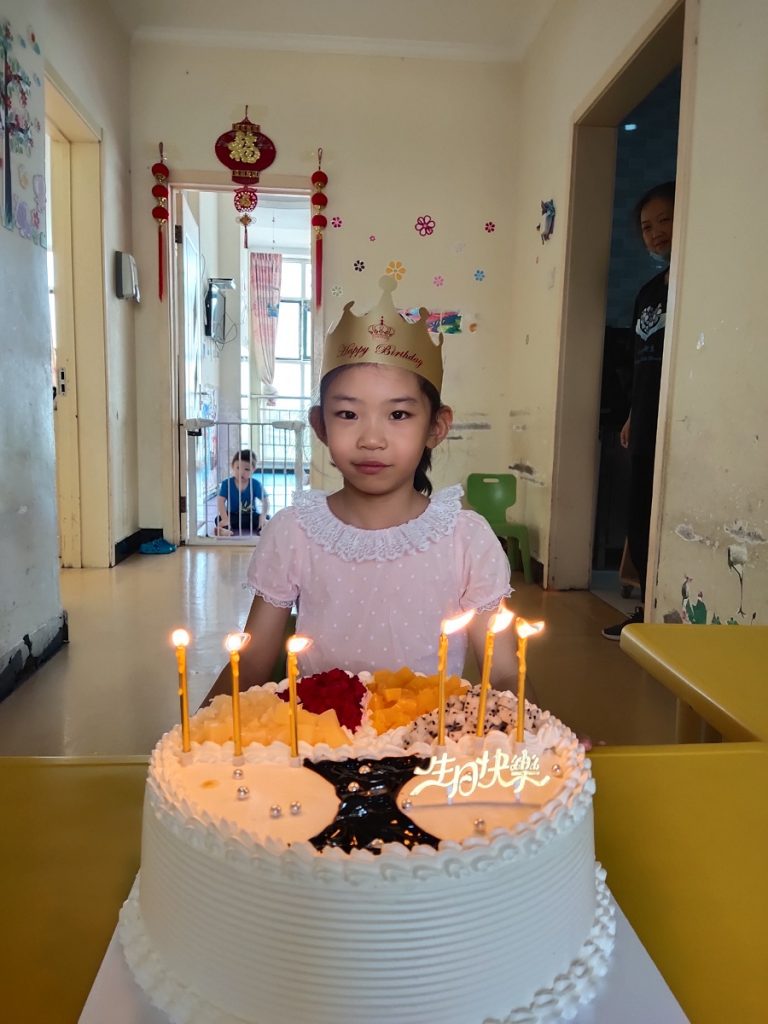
(180, 638)
(236, 641)
(448, 626)
(526, 629)
(296, 644)
(501, 620)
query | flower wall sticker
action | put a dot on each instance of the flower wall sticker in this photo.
(490, 227)
(336, 222)
(425, 225)
(371, 238)
(479, 275)
(359, 265)
(438, 280)
(337, 290)
(396, 269)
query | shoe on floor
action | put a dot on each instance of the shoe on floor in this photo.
(614, 632)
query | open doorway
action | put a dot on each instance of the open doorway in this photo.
(652, 59)
(244, 335)
(646, 156)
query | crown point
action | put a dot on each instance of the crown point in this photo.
(387, 283)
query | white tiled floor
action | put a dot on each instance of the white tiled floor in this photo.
(112, 690)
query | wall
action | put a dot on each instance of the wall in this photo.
(714, 523)
(31, 618)
(403, 139)
(575, 51)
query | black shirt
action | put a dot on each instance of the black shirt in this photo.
(649, 319)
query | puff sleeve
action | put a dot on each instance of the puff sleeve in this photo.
(482, 564)
(274, 572)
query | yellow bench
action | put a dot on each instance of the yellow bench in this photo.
(718, 672)
(683, 834)
(68, 853)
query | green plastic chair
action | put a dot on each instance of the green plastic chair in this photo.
(492, 495)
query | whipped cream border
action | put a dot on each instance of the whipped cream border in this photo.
(223, 838)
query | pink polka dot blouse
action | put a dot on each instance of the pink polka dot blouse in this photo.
(375, 598)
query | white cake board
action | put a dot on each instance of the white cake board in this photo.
(633, 992)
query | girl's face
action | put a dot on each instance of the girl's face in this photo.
(656, 225)
(377, 422)
(242, 472)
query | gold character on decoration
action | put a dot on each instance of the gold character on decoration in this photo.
(243, 148)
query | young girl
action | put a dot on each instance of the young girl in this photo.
(241, 502)
(374, 567)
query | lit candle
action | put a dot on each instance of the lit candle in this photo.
(447, 626)
(498, 622)
(180, 640)
(234, 643)
(294, 646)
(524, 629)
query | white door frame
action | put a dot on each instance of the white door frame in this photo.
(654, 52)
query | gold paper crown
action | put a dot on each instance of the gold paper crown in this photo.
(383, 337)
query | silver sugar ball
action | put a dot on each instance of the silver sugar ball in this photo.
(556, 769)
(407, 804)
(238, 773)
(364, 769)
(479, 824)
(295, 807)
(275, 811)
(243, 792)
(353, 787)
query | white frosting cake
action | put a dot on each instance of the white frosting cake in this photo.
(236, 917)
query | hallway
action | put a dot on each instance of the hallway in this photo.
(112, 690)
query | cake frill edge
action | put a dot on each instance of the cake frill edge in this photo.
(561, 1000)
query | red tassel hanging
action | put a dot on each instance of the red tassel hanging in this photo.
(246, 201)
(161, 174)
(319, 223)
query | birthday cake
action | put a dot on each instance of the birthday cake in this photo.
(378, 878)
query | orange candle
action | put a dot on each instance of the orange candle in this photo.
(447, 627)
(524, 630)
(234, 643)
(180, 640)
(294, 646)
(497, 624)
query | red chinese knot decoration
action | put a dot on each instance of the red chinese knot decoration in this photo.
(160, 213)
(246, 152)
(319, 181)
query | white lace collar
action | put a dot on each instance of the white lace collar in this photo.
(352, 544)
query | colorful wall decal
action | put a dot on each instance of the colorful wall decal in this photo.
(459, 247)
(425, 225)
(490, 227)
(359, 266)
(337, 290)
(438, 280)
(396, 269)
(21, 112)
(546, 225)
(479, 275)
(336, 222)
(371, 238)
(439, 322)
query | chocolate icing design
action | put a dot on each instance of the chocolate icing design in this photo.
(368, 815)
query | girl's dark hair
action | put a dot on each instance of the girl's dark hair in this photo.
(421, 481)
(245, 455)
(664, 191)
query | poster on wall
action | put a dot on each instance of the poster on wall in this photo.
(22, 169)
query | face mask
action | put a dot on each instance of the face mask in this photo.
(661, 260)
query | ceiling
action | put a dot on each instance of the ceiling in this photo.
(484, 30)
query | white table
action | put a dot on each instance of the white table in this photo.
(633, 992)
